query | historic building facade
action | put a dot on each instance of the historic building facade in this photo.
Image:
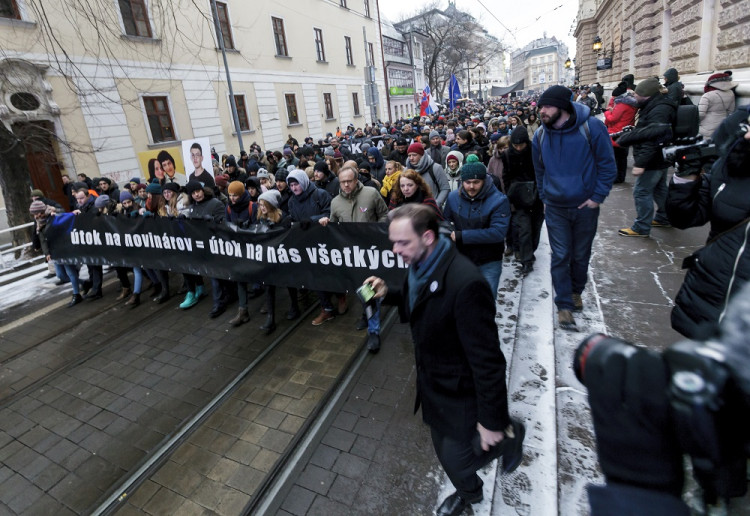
(136, 76)
(697, 37)
(540, 64)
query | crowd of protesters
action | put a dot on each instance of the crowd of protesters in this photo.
(473, 166)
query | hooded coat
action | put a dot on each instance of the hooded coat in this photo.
(454, 177)
(675, 89)
(434, 175)
(714, 106)
(312, 204)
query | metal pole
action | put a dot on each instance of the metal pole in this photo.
(370, 78)
(220, 39)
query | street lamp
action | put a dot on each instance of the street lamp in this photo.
(568, 63)
(597, 46)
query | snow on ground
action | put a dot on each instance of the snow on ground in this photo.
(559, 450)
(25, 289)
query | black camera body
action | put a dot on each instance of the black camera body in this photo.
(690, 155)
(706, 413)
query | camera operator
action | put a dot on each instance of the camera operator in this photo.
(721, 197)
(649, 409)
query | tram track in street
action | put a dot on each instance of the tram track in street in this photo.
(272, 484)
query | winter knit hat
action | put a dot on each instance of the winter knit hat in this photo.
(434, 134)
(125, 196)
(671, 75)
(272, 197)
(519, 135)
(281, 175)
(37, 207)
(154, 188)
(101, 201)
(557, 96)
(648, 87)
(298, 176)
(174, 187)
(263, 173)
(236, 188)
(718, 81)
(415, 148)
(193, 186)
(231, 161)
(135, 180)
(287, 151)
(37, 193)
(329, 151)
(222, 180)
(322, 166)
(496, 136)
(473, 170)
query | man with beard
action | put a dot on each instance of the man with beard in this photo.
(480, 214)
(460, 367)
(575, 168)
(400, 153)
(438, 152)
(432, 173)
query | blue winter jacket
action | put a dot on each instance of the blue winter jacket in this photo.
(571, 168)
(481, 223)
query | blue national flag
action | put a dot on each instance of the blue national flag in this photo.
(454, 93)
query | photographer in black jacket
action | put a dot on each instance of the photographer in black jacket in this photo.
(721, 197)
(654, 128)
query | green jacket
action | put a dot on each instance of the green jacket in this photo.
(364, 204)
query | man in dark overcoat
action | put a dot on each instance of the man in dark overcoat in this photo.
(460, 367)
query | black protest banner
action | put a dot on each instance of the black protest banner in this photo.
(333, 258)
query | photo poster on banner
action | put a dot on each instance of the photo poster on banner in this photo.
(196, 154)
(155, 170)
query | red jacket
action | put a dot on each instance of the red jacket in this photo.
(622, 115)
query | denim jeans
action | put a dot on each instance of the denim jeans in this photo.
(491, 272)
(60, 272)
(571, 232)
(373, 323)
(72, 272)
(137, 280)
(650, 187)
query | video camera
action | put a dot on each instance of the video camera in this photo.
(650, 408)
(689, 155)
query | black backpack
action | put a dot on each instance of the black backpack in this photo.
(686, 122)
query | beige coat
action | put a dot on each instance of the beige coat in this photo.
(364, 204)
(714, 107)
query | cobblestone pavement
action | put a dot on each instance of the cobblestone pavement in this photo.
(81, 410)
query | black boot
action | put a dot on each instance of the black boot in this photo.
(76, 299)
(134, 300)
(164, 296)
(269, 326)
(293, 312)
(157, 291)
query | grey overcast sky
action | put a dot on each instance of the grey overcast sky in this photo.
(524, 21)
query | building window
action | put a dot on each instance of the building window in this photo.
(400, 78)
(226, 28)
(291, 108)
(159, 119)
(394, 47)
(9, 9)
(319, 48)
(355, 102)
(371, 51)
(329, 105)
(349, 57)
(367, 8)
(134, 17)
(279, 37)
(242, 116)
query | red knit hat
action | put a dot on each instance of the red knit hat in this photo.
(415, 148)
(714, 79)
